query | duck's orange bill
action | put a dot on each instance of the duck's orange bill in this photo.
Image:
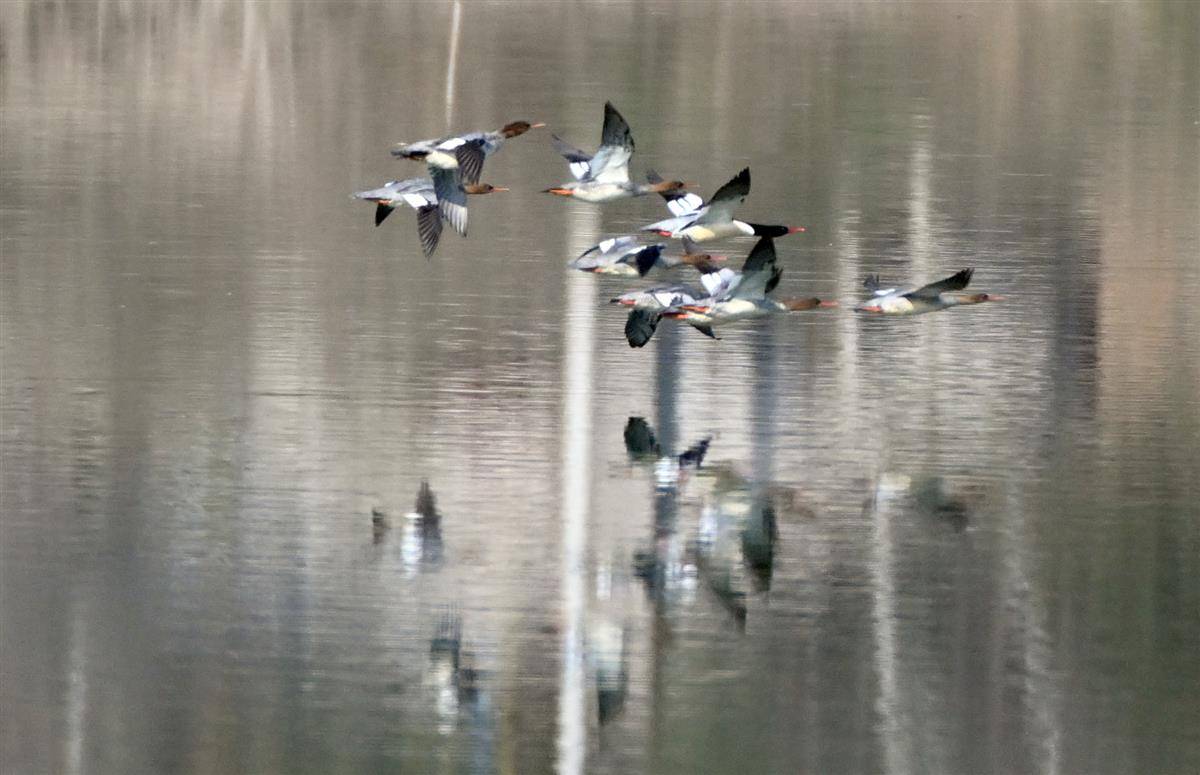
(558, 191)
(871, 308)
(694, 307)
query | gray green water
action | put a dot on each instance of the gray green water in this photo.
(987, 541)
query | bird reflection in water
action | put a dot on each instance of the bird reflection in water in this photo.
(737, 534)
(608, 641)
(945, 499)
(643, 447)
(421, 545)
(451, 675)
(664, 568)
(379, 525)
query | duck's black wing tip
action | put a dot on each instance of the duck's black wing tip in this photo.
(568, 151)
(616, 131)
(761, 256)
(955, 282)
(646, 258)
(640, 326)
(773, 282)
(960, 279)
(736, 189)
(429, 228)
(470, 158)
(382, 211)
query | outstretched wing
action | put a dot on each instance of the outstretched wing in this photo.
(718, 283)
(876, 288)
(579, 162)
(612, 245)
(470, 156)
(611, 162)
(955, 282)
(727, 199)
(640, 325)
(451, 199)
(679, 202)
(429, 228)
(669, 226)
(760, 275)
(646, 258)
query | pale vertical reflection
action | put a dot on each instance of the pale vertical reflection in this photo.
(579, 331)
(921, 243)
(76, 691)
(452, 60)
(1041, 695)
(884, 585)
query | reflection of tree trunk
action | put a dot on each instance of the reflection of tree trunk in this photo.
(1040, 694)
(896, 754)
(579, 329)
(452, 62)
(77, 691)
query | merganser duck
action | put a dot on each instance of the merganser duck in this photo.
(679, 202)
(927, 298)
(490, 142)
(745, 299)
(628, 256)
(650, 304)
(441, 196)
(604, 176)
(715, 220)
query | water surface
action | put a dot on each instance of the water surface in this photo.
(964, 542)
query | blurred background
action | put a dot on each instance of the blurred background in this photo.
(963, 542)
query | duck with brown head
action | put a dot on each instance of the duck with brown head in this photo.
(489, 143)
(604, 175)
(714, 220)
(943, 294)
(734, 297)
(441, 196)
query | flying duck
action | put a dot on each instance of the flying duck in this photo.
(942, 294)
(604, 176)
(490, 142)
(441, 196)
(715, 220)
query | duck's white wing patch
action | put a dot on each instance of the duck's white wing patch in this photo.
(686, 203)
(668, 297)
(419, 199)
(580, 169)
(717, 282)
(671, 225)
(610, 165)
(618, 244)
